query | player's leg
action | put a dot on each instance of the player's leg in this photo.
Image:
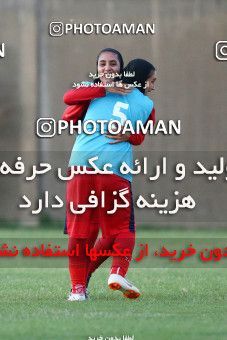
(103, 244)
(91, 243)
(124, 243)
(107, 184)
(121, 224)
(79, 228)
(125, 240)
(78, 264)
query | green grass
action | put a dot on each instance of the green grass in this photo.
(175, 303)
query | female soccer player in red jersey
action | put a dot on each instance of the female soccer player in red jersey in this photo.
(78, 99)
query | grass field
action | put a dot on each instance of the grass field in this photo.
(175, 303)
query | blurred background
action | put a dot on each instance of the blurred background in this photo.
(191, 86)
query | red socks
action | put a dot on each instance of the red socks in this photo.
(79, 263)
(120, 264)
(124, 242)
(101, 245)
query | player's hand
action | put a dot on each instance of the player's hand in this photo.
(119, 88)
(120, 137)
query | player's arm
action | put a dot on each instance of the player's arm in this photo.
(138, 138)
(75, 112)
(135, 138)
(79, 99)
(83, 94)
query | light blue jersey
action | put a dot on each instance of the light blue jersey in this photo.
(133, 106)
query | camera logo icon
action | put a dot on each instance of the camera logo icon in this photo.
(45, 127)
(221, 50)
(56, 28)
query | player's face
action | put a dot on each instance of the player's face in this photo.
(150, 83)
(108, 64)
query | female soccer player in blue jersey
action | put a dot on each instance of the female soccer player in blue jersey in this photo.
(120, 227)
